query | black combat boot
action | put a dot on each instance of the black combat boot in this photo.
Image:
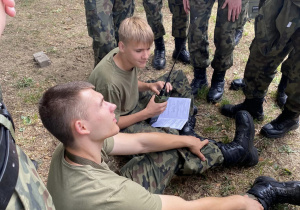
(216, 90)
(253, 106)
(181, 51)
(159, 60)
(238, 35)
(199, 81)
(192, 118)
(241, 151)
(281, 96)
(285, 122)
(237, 84)
(269, 192)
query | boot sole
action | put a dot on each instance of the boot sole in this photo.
(271, 136)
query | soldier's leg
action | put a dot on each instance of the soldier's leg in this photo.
(155, 170)
(122, 9)
(155, 20)
(293, 85)
(100, 26)
(289, 118)
(179, 30)
(224, 39)
(155, 17)
(200, 11)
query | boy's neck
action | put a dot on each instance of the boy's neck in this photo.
(122, 63)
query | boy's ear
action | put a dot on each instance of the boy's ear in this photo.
(80, 127)
(121, 46)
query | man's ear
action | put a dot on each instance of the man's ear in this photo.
(80, 127)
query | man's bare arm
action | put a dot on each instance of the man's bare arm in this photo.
(237, 202)
(127, 144)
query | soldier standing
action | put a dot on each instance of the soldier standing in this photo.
(179, 30)
(277, 26)
(231, 16)
(103, 19)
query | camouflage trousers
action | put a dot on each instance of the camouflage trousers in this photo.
(103, 18)
(181, 88)
(224, 34)
(155, 17)
(276, 36)
(30, 191)
(155, 170)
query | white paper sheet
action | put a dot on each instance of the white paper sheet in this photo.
(176, 114)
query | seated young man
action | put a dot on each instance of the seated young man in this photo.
(86, 125)
(115, 77)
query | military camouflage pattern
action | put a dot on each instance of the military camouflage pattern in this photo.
(155, 17)
(276, 35)
(103, 18)
(224, 34)
(30, 192)
(155, 170)
(181, 88)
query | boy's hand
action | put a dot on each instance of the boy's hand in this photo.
(154, 109)
(157, 86)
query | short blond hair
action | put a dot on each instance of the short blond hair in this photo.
(135, 29)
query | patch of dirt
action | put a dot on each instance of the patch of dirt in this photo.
(59, 29)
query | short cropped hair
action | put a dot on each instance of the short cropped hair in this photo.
(59, 106)
(135, 29)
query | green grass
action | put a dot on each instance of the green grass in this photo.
(25, 82)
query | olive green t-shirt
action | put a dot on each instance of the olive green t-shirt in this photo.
(117, 86)
(84, 187)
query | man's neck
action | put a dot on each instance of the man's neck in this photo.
(87, 151)
(122, 63)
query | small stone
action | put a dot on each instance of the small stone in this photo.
(42, 59)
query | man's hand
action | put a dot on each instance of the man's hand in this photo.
(9, 7)
(186, 6)
(197, 146)
(154, 109)
(157, 86)
(234, 9)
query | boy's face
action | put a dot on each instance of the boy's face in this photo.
(101, 121)
(136, 54)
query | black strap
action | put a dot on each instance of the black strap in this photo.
(9, 165)
(81, 160)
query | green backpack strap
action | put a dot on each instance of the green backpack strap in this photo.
(7, 124)
(9, 162)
